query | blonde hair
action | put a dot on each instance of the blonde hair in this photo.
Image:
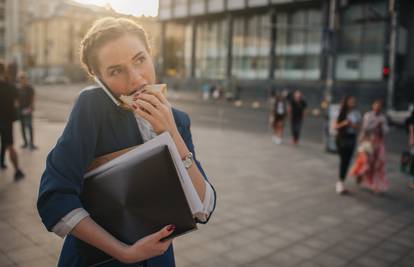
(102, 31)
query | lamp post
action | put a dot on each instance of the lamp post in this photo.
(393, 12)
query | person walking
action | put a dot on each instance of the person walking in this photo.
(26, 107)
(347, 126)
(410, 169)
(279, 111)
(8, 102)
(370, 165)
(297, 110)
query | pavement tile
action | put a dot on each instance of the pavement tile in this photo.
(5, 261)
(317, 243)
(44, 262)
(252, 234)
(285, 259)
(395, 247)
(386, 255)
(214, 261)
(292, 235)
(242, 255)
(20, 256)
(270, 228)
(260, 263)
(12, 240)
(369, 261)
(197, 254)
(327, 260)
(182, 262)
(346, 252)
(307, 263)
(303, 251)
(277, 242)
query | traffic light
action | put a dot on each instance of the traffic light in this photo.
(385, 72)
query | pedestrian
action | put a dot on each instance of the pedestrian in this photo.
(279, 111)
(347, 126)
(370, 165)
(297, 110)
(410, 153)
(116, 51)
(8, 102)
(26, 108)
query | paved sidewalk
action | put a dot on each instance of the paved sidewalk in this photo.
(276, 207)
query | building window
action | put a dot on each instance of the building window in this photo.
(251, 47)
(177, 55)
(361, 42)
(298, 45)
(211, 49)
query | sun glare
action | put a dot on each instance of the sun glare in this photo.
(129, 7)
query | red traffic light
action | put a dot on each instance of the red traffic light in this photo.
(385, 71)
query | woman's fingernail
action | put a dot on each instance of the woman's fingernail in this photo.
(171, 227)
(135, 107)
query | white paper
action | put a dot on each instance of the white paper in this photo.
(163, 139)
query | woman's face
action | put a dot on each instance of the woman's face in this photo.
(351, 102)
(377, 106)
(125, 65)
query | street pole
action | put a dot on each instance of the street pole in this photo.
(330, 62)
(392, 53)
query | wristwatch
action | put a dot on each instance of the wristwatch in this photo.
(188, 160)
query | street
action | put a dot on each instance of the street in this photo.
(276, 205)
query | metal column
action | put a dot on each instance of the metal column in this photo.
(331, 51)
(393, 11)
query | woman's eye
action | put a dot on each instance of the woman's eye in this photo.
(115, 72)
(140, 60)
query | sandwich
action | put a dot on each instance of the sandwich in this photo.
(127, 100)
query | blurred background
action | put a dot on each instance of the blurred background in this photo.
(224, 61)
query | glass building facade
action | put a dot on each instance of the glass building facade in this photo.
(278, 43)
(251, 47)
(361, 42)
(211, 43)
(298, 44)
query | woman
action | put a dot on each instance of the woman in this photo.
(410, 128)
(347, 125)
(279, 115)
(370, 166)
(116, 51)
(297, 111)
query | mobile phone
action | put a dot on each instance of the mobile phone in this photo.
(108, 92)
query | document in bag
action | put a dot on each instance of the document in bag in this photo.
(138, 191)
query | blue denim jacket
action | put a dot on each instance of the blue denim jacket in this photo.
(95, 127)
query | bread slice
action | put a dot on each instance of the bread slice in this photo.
(127, 100)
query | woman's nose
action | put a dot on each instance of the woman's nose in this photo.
(136, 77)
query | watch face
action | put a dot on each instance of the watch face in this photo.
(187, 163)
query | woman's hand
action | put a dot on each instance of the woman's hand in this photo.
(154, 107)
(148, 247)
(341, 124)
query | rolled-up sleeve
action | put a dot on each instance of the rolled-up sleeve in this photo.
(62, 180)
(69, 221)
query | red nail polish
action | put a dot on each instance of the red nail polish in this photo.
(171, 227)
